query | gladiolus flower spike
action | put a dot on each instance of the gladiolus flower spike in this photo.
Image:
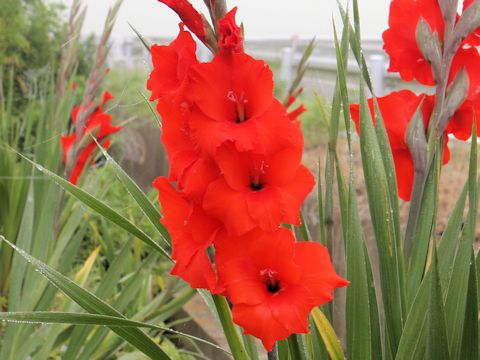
(77, 153)
(235, 177)
(404, 47)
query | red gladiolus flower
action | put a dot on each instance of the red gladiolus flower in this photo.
(233, 87)
(187, 13)
(235, 157)
(98, 125)
(258, 190)
(192, 233)
(397, 110)
(405, 56)
(233, 97)
(171, 64)
(400, 38)
(274, 282)
(230, 33)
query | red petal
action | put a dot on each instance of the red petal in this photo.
(277, 131)
(258, 320)
(295, 192)
(176, 138)
(241, 279)
(210, 134)
(282, 166)
(319, 276)
(171, 64)
(229, 206)
(404, 169)
(107, 96)
(197, 270)
(175, 209)
(192, 232)
(468, 59)
(197, 178)
(235, 166)
(266, 207)
(291, 307)
(252, 256)
(67, 143)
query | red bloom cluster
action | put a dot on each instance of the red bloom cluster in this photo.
(97, 124)
(407, 59)
(235, 159)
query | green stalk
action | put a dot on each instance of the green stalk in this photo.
(225, 316)
(272, 355)
(296, 347)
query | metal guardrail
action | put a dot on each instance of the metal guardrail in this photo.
(322, 70)
(286, 53)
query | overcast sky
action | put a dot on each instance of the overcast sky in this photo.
(262, 18)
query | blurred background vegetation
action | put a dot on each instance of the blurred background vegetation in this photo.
(32, 35)
(64, 234)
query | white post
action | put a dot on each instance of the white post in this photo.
(286, 66)
(377, 65)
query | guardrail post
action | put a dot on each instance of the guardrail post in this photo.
(286, 65)
(377, 65)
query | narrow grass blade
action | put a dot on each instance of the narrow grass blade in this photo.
(456, 292)
(391, 268)
(413, 341)
(94, 305)
(417, 242)
(138, 195)
(144, 41)
(38, 317)
(359, 333)
(469, 347)
(100, 207)
(297, 348)
(304, 228)
(450, 237)
(155, 115)
(320, 204)
(236, 346)
(437, 344)
(283, 350)
(329, 337)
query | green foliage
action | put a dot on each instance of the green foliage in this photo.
(111, 259)
(30, 39)
(32, 35)
(100, 267)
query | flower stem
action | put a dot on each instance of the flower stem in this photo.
(223, 310)
(272, 355)
(296, 347)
